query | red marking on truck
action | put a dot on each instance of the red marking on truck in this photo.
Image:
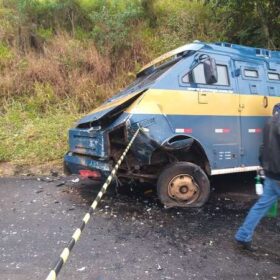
(183, 130)
(222, 130)
(254, 130)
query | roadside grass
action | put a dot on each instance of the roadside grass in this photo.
(42, 95)
(29, 138)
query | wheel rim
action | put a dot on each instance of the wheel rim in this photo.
(183, 188)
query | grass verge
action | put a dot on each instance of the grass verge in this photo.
(29, 138)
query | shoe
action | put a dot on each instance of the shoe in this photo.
(246, 246)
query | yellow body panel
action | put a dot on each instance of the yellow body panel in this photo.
(179, 102)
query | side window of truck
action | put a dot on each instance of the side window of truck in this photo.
(272, 76)
(197, 76)
(251, 77)
(249, 73)
(273, 83)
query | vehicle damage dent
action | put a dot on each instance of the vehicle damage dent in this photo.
(88, 142)
(178, 142)
(75, 162)
(109, 112)
(144, 147)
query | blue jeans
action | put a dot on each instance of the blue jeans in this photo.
(270, 195)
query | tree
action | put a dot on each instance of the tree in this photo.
(251, 22)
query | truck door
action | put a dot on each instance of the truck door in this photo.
(253, 108)
(218, 122)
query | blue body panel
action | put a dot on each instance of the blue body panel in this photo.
(203, 131)
(86, 142)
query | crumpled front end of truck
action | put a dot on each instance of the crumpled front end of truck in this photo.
(98, 139)
(87, 151)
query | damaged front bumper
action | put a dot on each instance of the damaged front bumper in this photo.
(73, 163)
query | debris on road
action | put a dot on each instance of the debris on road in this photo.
(47, 179)
(39, 191)
(159, 267)
(62, 183)
(54, 173)
(81, 269)
(76, 180)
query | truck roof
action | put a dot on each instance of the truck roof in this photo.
(271, 56)
(219, 47)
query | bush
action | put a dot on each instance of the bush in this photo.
(184, 22)
(113, 23)
(6, 55)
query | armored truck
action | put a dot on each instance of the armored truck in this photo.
(201, 109)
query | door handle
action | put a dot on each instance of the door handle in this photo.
(203, 97)
(265, 101)
(241, 107)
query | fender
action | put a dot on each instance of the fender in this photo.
(178, 142)
(185, 145)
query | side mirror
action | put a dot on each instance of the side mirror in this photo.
(210, 70)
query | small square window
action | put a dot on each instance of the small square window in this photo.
(251, 73)
(273, 76)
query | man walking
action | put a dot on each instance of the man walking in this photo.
(270, 161)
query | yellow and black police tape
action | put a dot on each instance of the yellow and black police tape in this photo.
(75, 237)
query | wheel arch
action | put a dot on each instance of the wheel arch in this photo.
(182, 147)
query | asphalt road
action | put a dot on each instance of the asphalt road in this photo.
(131, 236)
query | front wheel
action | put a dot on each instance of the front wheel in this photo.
(183, 184)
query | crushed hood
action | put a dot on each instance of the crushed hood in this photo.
(109, 109)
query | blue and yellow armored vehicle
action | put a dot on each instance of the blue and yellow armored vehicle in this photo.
(202, 108)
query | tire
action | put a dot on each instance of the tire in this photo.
(183, 184)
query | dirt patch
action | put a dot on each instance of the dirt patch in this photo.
(8, 169)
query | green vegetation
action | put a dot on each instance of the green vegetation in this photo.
(61, 58)
(29, 138)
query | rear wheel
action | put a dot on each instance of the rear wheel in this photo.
(183, 184)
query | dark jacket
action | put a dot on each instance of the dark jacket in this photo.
(270, 149)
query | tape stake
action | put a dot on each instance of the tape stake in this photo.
(76, 235)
